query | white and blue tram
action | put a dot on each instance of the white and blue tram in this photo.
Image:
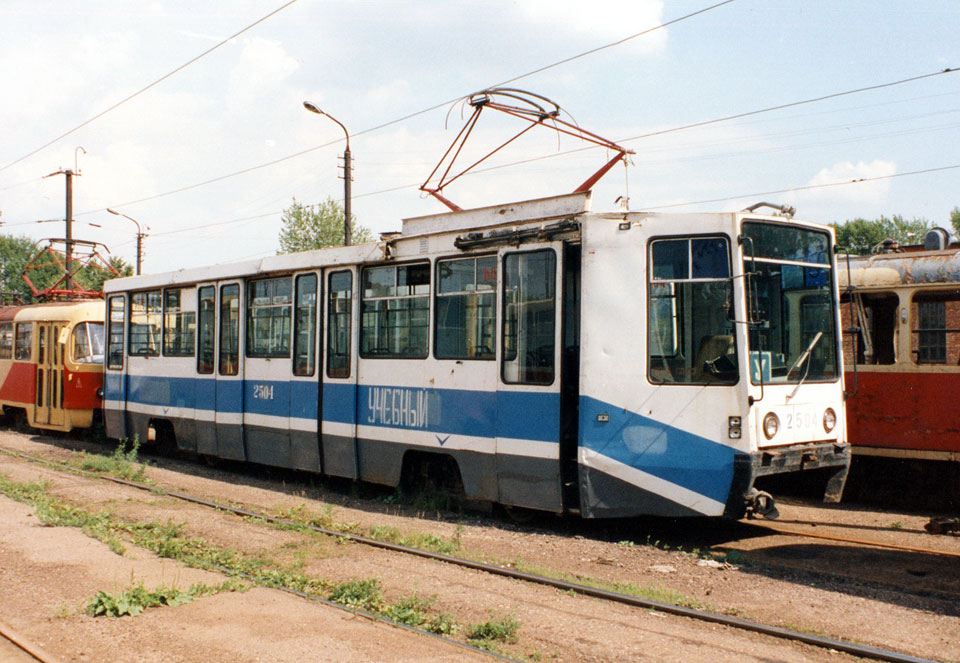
(606, 364)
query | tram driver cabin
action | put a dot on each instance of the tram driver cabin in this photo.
(537, 355)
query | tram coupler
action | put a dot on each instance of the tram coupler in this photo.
(761, 503)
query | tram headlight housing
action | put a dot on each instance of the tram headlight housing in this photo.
(829, 419)
(771, 424)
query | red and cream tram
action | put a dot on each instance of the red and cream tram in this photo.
(903, 364)
(51, 363)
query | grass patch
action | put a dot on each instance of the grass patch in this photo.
(494, 632)
(122, 462)
(418, 540)
(54, 513)
(361, 594)
(137, 598)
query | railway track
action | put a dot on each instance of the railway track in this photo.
(14, 648)
(831, 644)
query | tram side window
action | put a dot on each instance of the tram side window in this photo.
(690, 333)
(115, 333)
(394, 312)
(229, 330)
(268, 318)
(23, 342)
(875, 316)
(146, 312)
(87, 343)
(936, 328)
(466, 308)
(305, 325)
(6, 340)
(529, 317)
(179, 325)
(339, 322)
(206, 320)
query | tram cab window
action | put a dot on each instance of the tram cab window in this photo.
(529, 317)
(875, 316)
(936, 327)
(268, 317)
(466, 308)
(6, 340)
(394, 312)
(179, 323)
(339, 324)
(690, 333)
(146, 312)
(24, 341)
(87, 343)
(115, 332)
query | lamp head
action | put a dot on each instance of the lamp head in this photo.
(313, 108)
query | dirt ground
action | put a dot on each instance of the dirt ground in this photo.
(48, 574)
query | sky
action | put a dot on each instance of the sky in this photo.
(210, 156)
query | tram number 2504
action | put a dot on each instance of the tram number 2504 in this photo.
(263, 392)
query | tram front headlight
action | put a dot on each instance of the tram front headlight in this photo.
(771, 424)
(829, 419)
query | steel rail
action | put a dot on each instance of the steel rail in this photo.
(786, 531)
(24, 645)
(863, 651)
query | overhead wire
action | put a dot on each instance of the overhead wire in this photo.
(151, 85)
(410, 116)
(859, 180)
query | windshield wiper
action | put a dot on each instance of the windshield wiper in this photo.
(800, 360)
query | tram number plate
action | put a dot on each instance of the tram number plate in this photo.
(800, 420)
(263, 392)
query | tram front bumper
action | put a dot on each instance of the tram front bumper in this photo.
(825, 456)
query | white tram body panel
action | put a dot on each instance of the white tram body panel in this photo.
(602, 364)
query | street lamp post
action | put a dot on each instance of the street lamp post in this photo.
(313, 108)
(140, 236)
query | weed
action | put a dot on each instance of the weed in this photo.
(501, 629)
(64, 611)
(896, 525)
(122, 462)
(408, 611)
(441, 624)
(131, 602)
(419, 540)
(628, 544)
(362, 594)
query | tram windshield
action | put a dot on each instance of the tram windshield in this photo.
(790, 307)
(88, 343)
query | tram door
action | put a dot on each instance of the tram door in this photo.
(337, 425)
(49, 404)
(206, 383)
(528, 391)
(228, 417)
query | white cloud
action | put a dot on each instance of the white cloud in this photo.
(261, 68)
(847, 171)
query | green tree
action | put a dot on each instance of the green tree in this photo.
(955, 219)
(862, 236)
(307, 227)
(94, 278)
(15, 251)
